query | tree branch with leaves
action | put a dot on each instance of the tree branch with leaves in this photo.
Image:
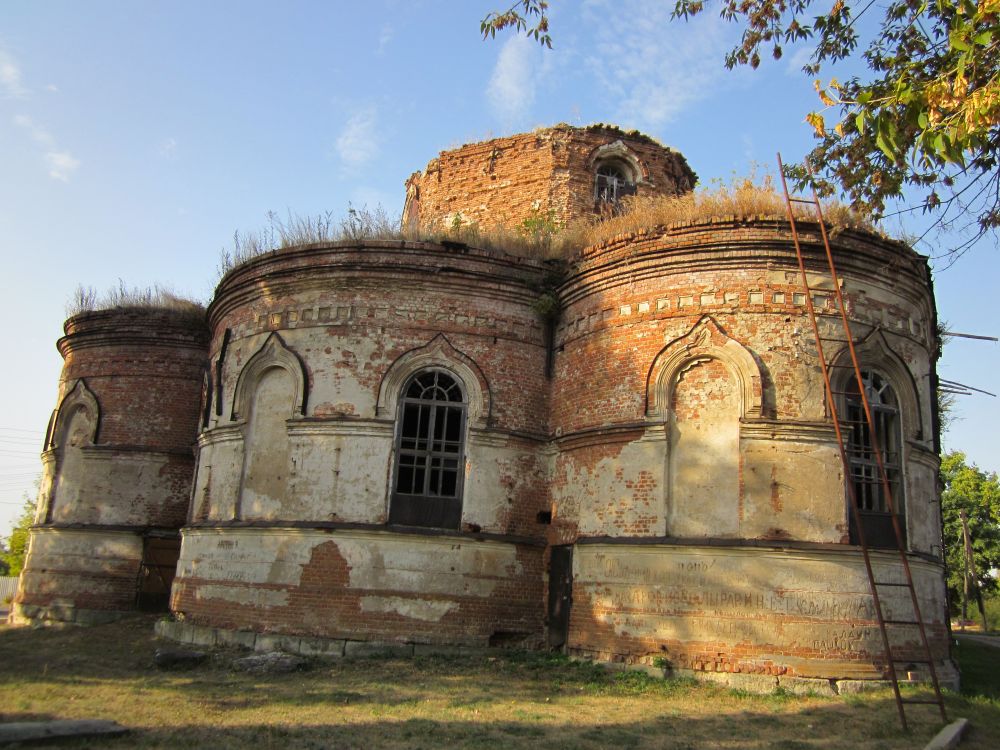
(924, 121)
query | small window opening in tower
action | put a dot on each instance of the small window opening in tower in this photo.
(611, 184)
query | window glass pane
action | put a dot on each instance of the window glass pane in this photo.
(411, 416)
(404, 479)
(454, 425)
(868, 486)
(449, 483)
(434, 485)
(419, 480)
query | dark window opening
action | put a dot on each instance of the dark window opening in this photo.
(610, 186)
(430, 445)
(869, 490)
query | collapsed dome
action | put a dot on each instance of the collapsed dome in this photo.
(557, 175)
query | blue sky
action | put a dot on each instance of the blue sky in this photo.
(135, 138)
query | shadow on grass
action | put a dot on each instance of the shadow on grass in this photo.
(747, 731)
(511, 699)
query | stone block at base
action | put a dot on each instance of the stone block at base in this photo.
(807, 686)
(374, 648)
(61, 614)
(949, 737)
(753, 683)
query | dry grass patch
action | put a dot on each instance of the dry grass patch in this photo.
(742, 199)
(123, 297)
(540, 236)
(509, 699)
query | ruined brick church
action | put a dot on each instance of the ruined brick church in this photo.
(391, 445)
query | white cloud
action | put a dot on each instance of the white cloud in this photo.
(511, 90)
(655, 69)
(61, 164)
(10, 77)
(38, 134)
(798, 59)
(384, 37)
(357, 143)
(168, 148)
(52, 87)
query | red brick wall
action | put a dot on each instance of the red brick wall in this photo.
(507, 180)
(146, 370)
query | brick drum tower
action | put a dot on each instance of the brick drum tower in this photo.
(117, 465)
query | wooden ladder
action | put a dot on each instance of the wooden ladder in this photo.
(876, 450)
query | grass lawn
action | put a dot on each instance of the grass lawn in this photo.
(510, 699)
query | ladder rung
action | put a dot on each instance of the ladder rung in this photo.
(820, 290)
(801, 200)
(910, 661)
(901, 622)
(828, 338)
(925, 701)
(886, 583)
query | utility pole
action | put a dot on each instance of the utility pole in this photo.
(970, 575)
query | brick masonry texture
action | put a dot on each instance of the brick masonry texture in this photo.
(508, 180)
(119, 458)
(670, 426)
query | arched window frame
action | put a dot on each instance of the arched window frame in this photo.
(438, 352)
(612, 182)
(866, 486)
(430, 444)
(876, 356)
(617, 172)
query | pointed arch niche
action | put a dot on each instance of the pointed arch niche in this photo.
(437, 353)
(705, 340)
(274, 353)
(701, 386)
(272, 388)
(75, 427)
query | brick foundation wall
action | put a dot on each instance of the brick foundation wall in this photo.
(72, 575)
(740, 610)
(364, 585)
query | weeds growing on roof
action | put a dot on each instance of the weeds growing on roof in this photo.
(123, 297)
(541, 236)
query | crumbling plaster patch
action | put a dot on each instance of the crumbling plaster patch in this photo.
(429, 610)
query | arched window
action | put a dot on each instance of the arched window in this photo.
(430, 452)
(613, 181)
(869, 490)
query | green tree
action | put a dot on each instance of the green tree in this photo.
(17, 542)
(971, 489)
(925, 118)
